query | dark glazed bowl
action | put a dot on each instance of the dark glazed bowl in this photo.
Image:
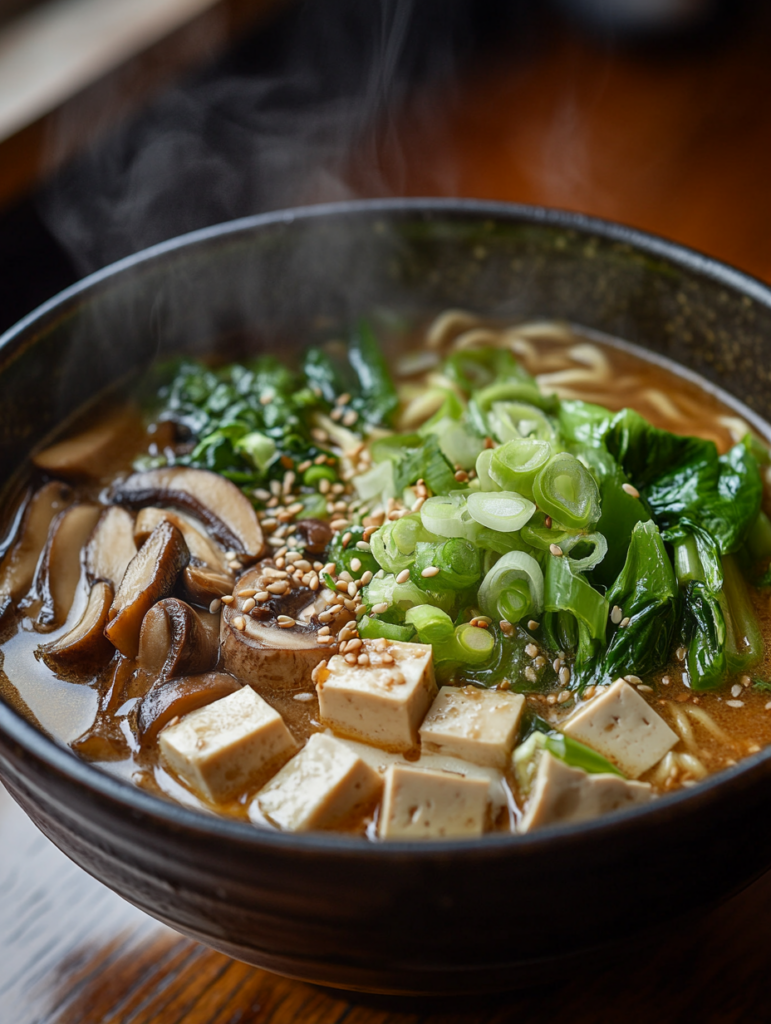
(403, 917)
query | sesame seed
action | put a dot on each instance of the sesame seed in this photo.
(267, 398)
(261, 494)
(736, 690)
(616, 615)
(350, 418)
(735, 703)
(314, 583)
(680, 653)
(564, 697)
(286, 621)
(630, 490)
(589, 692)
(350, 659)
(461, 476)
(263, 595)
(362, 545)
(239, 622)
(665, 680)
(556, 550)
(418, 504)
(350, 604)
(215, 606)
(746, 681)
(531, 651)
(343, 399)
(506, 627)
(248, 604)
(363, 659)
(339, 524)
(539, 662)
(388, 659)
(336, 414)
(352, 589)
(403, 576)
(355, 564)
(325, 616)
(768, 706)
(247, 593)
(532, 624)
(429, 571)
(324, 640)
(564, 674)
(625, 622)
(228, 599)
(303, 696)
(530, 675)
(355, 644)
(279, 587)
(378, 609)
(557, 664)
(552, 698)
(645, 688)
(366, 578)
(634, 680)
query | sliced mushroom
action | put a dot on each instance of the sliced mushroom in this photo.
(173, 641)
(213, 499)
(202, 585)
(262, 652)
(316, 535)
(17, 569)
(87, 454)
(59, 570)
(178, 697)
(150, 576)
(85, 646)
(201, 546)
(111, 547)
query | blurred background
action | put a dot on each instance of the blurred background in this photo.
(124, 122)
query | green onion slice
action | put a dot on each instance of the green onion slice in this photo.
(376, 482)
(516, 464)
(394, 543)
(504, 511)
(511, 420)
(597, 544)
(486, 482)
(567, 491)
(474, 644)
(513, 588)
(447, 517)
(432, 624)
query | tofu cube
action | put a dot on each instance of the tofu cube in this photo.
(228, 746)
(326, 784)
(382, 703)
(476, 725)
(562, 794)
(381, 760)
(421, 803)
(622, 725)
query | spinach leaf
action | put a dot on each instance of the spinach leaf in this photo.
(704, 628)
(359, 370)
(620, 512)
(424, 462)
(684, 477)
(646, 591)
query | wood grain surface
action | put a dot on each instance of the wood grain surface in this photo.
(678, 146)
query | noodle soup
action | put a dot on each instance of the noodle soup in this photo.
(513, 580)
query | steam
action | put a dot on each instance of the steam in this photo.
(317, 122)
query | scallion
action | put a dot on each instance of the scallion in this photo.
(504, 511)
(566, 490)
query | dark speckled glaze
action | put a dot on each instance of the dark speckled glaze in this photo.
(445, 916)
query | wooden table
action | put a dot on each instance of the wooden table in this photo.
(676, 146)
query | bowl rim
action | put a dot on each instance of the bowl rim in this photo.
(167, 815)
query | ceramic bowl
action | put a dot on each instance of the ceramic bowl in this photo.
(399, 917)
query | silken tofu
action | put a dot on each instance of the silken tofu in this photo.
(420, 803)
(622, 725)
(562, 794)
(473, 724)
(229, 746)
(382, 704)
(326, 784)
